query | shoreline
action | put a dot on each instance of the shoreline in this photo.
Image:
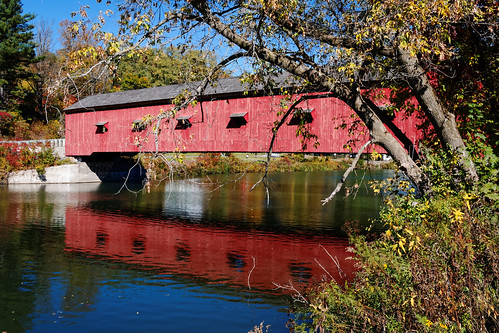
(190, 166)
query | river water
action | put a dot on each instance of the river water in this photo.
(187, 256)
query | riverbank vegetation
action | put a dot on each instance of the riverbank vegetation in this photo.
(38, 156)
(434, 269)
(196, 165)
(25, 156)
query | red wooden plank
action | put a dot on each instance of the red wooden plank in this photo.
(213, 129)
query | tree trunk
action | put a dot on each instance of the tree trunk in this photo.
(444, 122)
(384, 138)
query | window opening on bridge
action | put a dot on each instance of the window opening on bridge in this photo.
(183, 252)
(238, 119)
(102, 238)
(301, 117)
(139, 245)
(101, 127)
(138, 125)
(183, 122)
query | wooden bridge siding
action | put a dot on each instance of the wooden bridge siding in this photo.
(82, 138)
(211, 133)
(255, 136)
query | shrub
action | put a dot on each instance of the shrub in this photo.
(15, 157)
(21, 130)
(435, 268)
(6, 121)
(41, 130)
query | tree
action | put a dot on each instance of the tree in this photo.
(17, 52)
(49, 106)
(84, 69)
(347, 49)
(471, 83)
(158, 67)
(88, 63)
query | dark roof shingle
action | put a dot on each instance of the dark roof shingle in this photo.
(149, 96)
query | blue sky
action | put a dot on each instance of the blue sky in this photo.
(54, 11)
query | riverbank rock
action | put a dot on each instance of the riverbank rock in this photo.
(69, 173)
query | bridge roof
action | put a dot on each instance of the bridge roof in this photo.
(164, 94)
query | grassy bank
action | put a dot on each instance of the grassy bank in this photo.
(216, 163)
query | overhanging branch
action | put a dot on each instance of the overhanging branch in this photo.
(276, 128)
(347, 172)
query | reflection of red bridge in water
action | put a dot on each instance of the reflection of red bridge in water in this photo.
(213, 254)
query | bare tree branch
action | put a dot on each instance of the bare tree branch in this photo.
(336, 262)
(297, 295)
(347, 172)
(251, 271)
(275, 129)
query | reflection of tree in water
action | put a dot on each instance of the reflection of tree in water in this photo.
(14, 315)
(82, 287)
(29, 256)
(33, 262)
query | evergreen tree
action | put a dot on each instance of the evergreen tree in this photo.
(17, 51)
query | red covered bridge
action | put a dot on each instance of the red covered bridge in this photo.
(225, 120)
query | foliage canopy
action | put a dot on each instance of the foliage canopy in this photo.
(159, 67)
